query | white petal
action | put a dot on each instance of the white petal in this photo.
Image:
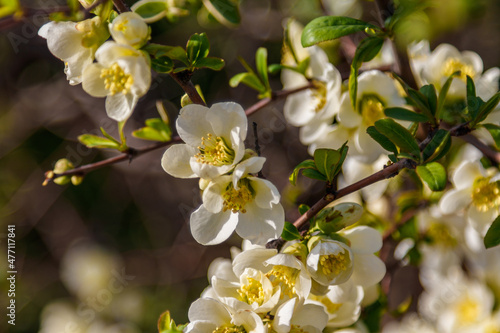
(200, 326)
(175, 161)
(63, 40)
(466, 173)
(120, 106)
(267, 194)
(283, 319)
(109, 52)
(261, 225)
(250, 321)
(208, 171)
(138, 68)
(299, 108)
(253, 258)
(481, 220)
(454, 200)
(368, 270)
(92, 82)
(225, 117)
(251, 165)
(310, 315)
(210, 229)
(192, 124)
(347, 116)
(209, 310)
(212, 195)
(364, 239)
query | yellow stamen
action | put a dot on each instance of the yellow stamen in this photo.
(334, 263)
(453, 64)
(331, 307)
(214, 151)
(371, 109)
(284, 277)
(236, 200)
(230, 329)
(485, 194)
(467, 311)
(252, 292)
(440, 233)
(116, 80)
(319, 94)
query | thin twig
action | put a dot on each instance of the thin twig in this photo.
(121, 6)
(184, 80)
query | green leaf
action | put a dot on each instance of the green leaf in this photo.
(434, 175)
(151, 10)
(486, 108)
(303, 208)
(103, 131)
(343, 154)
(331, 27)
(399, 135)
(290, 232)
(405, 114)
(172, 52)
(474, 103)
(382, 140)
(261, 65)
(155, 130)
(443, 93)
(307, 164)
(492, 237)
(437, 147)
(313, 174)
(224, 11)
(197, 47)
(495, 133)
(162, 64)
(429, 91)
(250, 79)
(367, 49)
(325, 160)
(420, 101)
(212, 63)
(94, 141)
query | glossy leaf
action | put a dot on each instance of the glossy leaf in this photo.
(313, 174)
(443, 93)
(382, 139)
(307, 164)
(434, 175)
(224, 11)
(405, 114)
(250, 79)
(290, 232)
(331, 27)
(325, 160)
(94, 141)
(212, 63)
(495, 133)
(151, 11)
(487, 107)
(437, 147)
(261, 65)
(429, 91)
(162, 64)
(197, 47)
(492, 237)
(399, 135)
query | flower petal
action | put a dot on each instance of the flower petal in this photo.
(175, 161)
(347, 116)
(212, 195)
(210, 310)
(261, 225)
(92, 82)
(192, 125)
(267, 194)
(225, 117)
(210, 229)
(120, 106)
(455, 200)
(368, 270)
(363, 239)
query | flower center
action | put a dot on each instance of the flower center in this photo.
(331, 307)
(116, 80)
(214, 151)
(440, 233)
(297, 329)
(319, 95)
(371, 109)
(485, 195)
(284, 277)
(236, 200)
(121, 26)
(252, 292)
(230, 329)
(334, 263)
(453, 64)
(467, 311)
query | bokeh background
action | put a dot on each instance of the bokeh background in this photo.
(113, 253)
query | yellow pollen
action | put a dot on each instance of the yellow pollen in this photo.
(331, 307)
(319, 94)
(284, 277)
(214, 151)
(297, 329)
(252, 292)
(122, 26)
(485, 195)
(115, 80)
(230, 329)
(467, 311)
(333, 263)
(236, 200)
(440, 233)
(371, 109)
(453, 64)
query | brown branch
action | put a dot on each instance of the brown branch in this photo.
(121, 6)
(184, 80)
(493, 155)
(388, 172)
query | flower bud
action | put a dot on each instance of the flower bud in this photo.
(129, 28)
(61, 166)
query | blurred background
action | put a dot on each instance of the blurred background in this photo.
(113, 253)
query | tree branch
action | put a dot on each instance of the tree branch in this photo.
(121, 6)
(184, 80)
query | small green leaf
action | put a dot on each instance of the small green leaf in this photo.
(94, 141)
(313, 174)
(382, 140)
(103, 131)
(443, 93)
(331, 27)
(156, 130)
(215, 64)
(151, 10)
(303, 208)
(486, 108)
(405, 114)
(429, 91)
(250, 79)
(224, 11)
(495, 133)
(307, 164)
(343, 154)
(261, 65)
(290, 232)
(325, 160)
(474, 103)
(173, 52)
(492, 237)
(197, 47)
(367, 49)
(162, 64)
(399, 135)
(420, 101)
(439, 145)
(434, 175)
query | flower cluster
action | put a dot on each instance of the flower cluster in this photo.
(121, 72)
(233, 198)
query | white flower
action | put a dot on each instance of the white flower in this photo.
(330, 262)
(240, 202)
(410, 324)
(122, 74)
(296, 316)
(214, 141)
(475, 189)
(129, 28)
(75, 44)
(208, 315)
(376, 91)
(351, 8)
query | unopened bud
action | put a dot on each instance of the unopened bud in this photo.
(76, 179)
(185, 100)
